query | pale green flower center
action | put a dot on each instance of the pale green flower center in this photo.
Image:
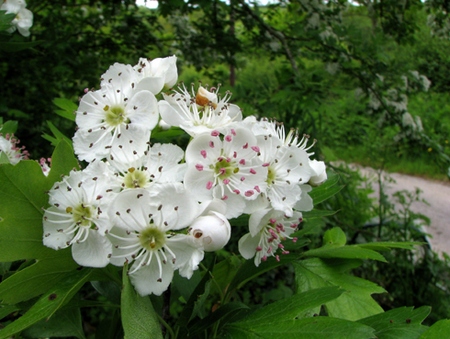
(135, 178)
(225, 169)
(152, 238)
(271, 176)
(82, 215)
(115, 115)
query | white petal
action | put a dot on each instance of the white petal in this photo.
(258, 220)
(173, 207)
(305, 203)
(247, 246)
(170, 114)
(52, 223)
(188, 254)
(145, 279)
(142, 109)
(152, 84)
(94, 251)
(129, 209)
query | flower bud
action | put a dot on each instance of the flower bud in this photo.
(320, 173)
(212, 231)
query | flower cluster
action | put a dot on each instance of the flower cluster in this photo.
(158, 207)
(23, 19)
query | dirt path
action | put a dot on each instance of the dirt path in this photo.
(436, 194)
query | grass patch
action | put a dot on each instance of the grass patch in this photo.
(421, 167)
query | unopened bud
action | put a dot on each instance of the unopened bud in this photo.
(212, 231)
(320, 173)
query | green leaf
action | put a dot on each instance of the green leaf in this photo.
(188, 311)
(317, 214)
(63, 161)
(355, 303)
(139, 319)
(58, 136)
(49, 303)
(439, 330)
(306, 328)
(9, 126)
(386, 246)
(327, 189)
(344, 252)
(222, 314)
(36, 279)
(248, 270)
(333, 247)
(67, 108)
(6, 310)
(65, 323)
(23, 195)
(294, 307)
(399, 323)
(5, 20)
(335, 236)
(16, 46)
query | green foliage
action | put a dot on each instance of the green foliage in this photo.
(138, 316)
(329, 69)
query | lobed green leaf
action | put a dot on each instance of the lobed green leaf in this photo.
(355, 303)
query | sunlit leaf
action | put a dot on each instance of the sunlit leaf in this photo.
(355, 303)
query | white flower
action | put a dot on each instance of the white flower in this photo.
(9, 151)
(77, 217)
(155, 74)
(144, 235)
(287, 161)
(115, 121)
(227, 169)
(159, 165)
(24, 17)
(199, 113)
(211, 229)
(268, 228)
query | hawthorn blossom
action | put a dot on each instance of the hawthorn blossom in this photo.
(145, 236)
(9, 151)
(23, 19)
(200, 112)
(287, 161)
(156, 74)
(268, 229)
(229, 169)
(115, 121)
(161, 164)
(77, 217)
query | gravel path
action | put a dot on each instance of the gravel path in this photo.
(435, 193)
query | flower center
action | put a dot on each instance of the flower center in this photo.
(152, 238)
(135, 178)
(115, 115)
(225, 168)
(82, 215)
(271, 175)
